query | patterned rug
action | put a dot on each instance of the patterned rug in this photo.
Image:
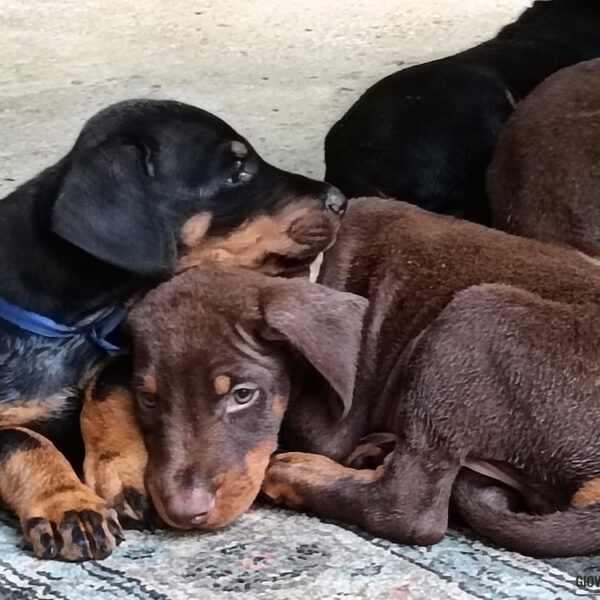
(278, 555)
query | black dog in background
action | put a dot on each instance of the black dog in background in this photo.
(426, 134)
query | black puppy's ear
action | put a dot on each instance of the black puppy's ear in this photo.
(322, 324)
(105, 207)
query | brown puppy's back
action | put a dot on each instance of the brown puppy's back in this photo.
(544, 178)
(410, 263)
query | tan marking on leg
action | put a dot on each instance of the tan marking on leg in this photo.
(291, 472)
(222, 384)
(115, 454)
(194, 229)
(22, 412)
(588, 493)
(282, 492)
(39, 484)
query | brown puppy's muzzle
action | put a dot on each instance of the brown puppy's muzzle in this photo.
(190, 508)
(197, 506)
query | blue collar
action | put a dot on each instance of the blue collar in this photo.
(97, 330)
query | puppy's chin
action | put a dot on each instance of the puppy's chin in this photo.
(305, 263)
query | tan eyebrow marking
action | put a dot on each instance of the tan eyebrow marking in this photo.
(239, 149)
(222, 384)
(149, 384)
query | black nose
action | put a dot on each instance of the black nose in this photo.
(336, 201)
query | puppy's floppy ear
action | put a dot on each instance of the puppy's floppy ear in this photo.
(322, 324)
(105, 207)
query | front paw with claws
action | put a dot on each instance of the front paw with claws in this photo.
(73, 525)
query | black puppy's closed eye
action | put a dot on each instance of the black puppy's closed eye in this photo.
(239, 175)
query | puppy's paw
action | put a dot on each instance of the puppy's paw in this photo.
(135, 510)
(372, 451)
(115, 454)
(72, 524)
(282, 478)
(296, 478)
(119, 480)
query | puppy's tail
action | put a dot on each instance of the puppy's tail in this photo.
(486, 509)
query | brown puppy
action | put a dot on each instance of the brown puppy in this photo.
(544, 178)
(478, 348)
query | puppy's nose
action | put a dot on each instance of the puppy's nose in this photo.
(191, 507)
(335, 201)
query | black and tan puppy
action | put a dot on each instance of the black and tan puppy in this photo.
(149, 188)
(544, 178)
(477, 349)
(426, 134)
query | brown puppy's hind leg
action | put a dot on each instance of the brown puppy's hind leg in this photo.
(60, 517)
(405, 499)
(115, 455)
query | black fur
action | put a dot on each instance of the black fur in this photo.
(104, 223)
(15, 440)
(425, 134)
(117, 373)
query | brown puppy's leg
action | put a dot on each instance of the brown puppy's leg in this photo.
(588, 493)
(372, 450)
(405, 499)
(115, 455)
(60, 517)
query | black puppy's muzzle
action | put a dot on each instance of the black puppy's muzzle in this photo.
(335, 201)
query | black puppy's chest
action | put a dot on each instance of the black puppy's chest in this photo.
(43, 371)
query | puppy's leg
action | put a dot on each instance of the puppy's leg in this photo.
(60, 517)
(115, 455)
(404, 499)
(372, 450)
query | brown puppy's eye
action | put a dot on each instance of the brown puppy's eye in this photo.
(244, 395)
(146, 400)
(241, 396)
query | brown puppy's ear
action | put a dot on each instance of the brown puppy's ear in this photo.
(322, 324)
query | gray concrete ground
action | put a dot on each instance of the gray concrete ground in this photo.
(281, 72)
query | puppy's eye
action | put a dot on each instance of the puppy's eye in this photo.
(146, 400)
(239, 175)
(242, 396)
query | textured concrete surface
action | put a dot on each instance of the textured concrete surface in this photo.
(280, 72)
